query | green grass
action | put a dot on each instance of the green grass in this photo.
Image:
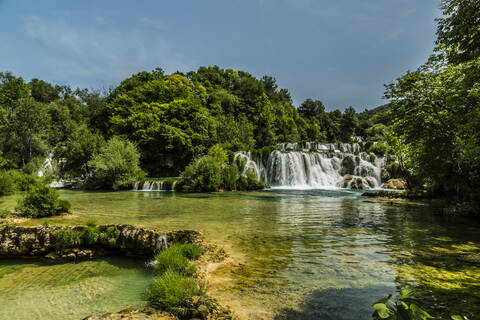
(175, 286)
(177, 257)
(172, 292)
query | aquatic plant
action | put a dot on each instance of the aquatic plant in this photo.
(67, 238)
(175, 287)
(398, 309)
(173, 292)
(110, 235)
(176, 258)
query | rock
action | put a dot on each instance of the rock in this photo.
(348, 165)
(52, 256)
(357, 183)
(385, 175)
(203, 311)
(346, 180)
(395, 184)
(134, 314)
(39, 241)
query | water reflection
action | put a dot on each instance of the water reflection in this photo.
(305, 254)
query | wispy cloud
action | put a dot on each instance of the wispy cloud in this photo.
(97, 52)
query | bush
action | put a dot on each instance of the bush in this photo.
(63, 206)
(90, 235)
(116, 167)
(176, 258)
(203, 175)
(379, 148)
(7, 183)
(25, 181)
(67, 238)
(229, 177)
(41, 201)
(168, 184)
(110, 236)
(4, 213)
(191, 251)
(172, 292)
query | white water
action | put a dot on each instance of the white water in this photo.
(154, 185)
(312, 165)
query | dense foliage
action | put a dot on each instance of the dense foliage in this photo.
(42, 201)
(436, 109)
(170, 119)
(115, 167)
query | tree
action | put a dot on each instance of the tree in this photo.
(458, 32)
(264, 133)
(23, 131)
(116, 167)
(79, 149)
(348, 124)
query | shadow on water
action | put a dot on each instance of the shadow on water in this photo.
(336, 304)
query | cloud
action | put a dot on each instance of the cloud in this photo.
(101, 53)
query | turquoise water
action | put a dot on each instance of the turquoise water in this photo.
(307, 254)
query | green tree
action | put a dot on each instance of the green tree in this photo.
(115, 167)
(78, 150)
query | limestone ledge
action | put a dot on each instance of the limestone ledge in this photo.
(40, 242)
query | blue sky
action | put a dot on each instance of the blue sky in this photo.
(338, 51)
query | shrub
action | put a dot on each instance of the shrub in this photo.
(173, 291)
(4, 213)
(7, 183)
(175, 259)
(90, 235)
(372, 157)
(191, 251)
(25, 182)
(168, 184)
(116, 167)
(110, 235)
(67, 238)
(229, 177)
(91, 223)
(41, 201)
(242, 183)
(203, 174)
(379, 148)
(63, 206)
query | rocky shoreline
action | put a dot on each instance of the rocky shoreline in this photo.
(40, 242)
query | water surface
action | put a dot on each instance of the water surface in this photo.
(308, 254)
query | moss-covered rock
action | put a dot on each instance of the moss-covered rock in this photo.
(395, 184)
(348, 166)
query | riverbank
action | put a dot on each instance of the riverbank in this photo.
(46, 242)
(72, 243)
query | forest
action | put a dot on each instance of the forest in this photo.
(155, 124)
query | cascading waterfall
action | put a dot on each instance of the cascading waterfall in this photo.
(312, 165)
(154, 185)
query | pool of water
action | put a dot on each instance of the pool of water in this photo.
(301, 254)
(37, 290)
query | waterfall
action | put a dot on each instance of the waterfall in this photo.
(157, 184)
(314, 165)
(162, 243)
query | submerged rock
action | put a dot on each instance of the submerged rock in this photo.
(134, 314)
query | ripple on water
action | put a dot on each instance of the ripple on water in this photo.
(35, 290)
